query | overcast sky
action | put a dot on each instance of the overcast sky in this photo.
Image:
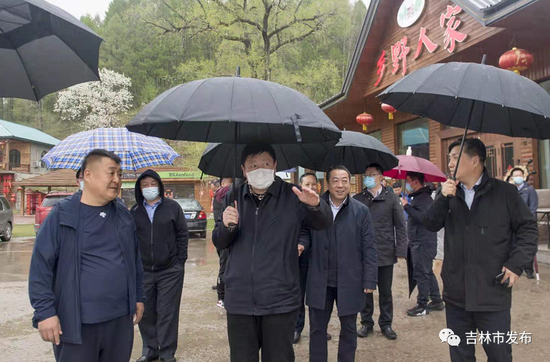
(77, 8)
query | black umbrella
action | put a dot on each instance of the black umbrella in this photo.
(43, 49)
(355, 151)
(218, 159)
(235, 110)
(473, 96)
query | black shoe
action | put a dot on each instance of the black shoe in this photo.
(297, 337)
(389, 333)
(329, 337)
(436, 306)
(147, 359)
(214, 287)
(418, 311)
(530, 275)
(365, 331)
(170, 359)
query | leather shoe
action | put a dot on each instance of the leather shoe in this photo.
(147, 359)
(364, 331)
(329, 337)
(389, 333)
(297, 337)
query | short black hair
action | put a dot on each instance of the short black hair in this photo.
(416, 176)
(396, 185)
(334, 168)
(98, 154)
(431, 185)
(253, 149)
(78, 173)
(215, 183)
(517, 169)
(472, 147)
(377, 167)
(308, 174)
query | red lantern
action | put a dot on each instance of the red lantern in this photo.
(365, 119)
(516, 60)
(388, 109)
(19, 188)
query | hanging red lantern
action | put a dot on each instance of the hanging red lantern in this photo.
(388, 109)
(19, 188)
(365, 119)
(516, 60)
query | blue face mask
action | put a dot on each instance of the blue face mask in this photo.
(518, 180)
(150, 193)
(409, 187)
(370, 182)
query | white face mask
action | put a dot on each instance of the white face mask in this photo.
(150, 193)
(81, 184)
(261, 178)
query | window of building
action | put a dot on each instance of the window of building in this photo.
(377, 135)
(544, 152)
(15, 158)
(414, 134)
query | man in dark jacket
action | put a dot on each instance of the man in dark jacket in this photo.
(480, 214)
(531, 198)
(391, 242)
(163, 240)
(261, 226)
(343, 266)
(219, 195)
(422, 245)
(85, 280)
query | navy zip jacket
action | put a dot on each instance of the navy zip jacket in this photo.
(262, 274)
(54, 278)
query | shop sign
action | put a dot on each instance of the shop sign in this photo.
(400, 50)
(409, 12)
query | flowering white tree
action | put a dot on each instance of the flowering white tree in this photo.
(96, 104)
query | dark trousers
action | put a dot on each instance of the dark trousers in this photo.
(423, 255)
(109, 341)
(385, 300)
(301, 320)
(462, 322)
(159, 325)
(318, 321)
(272, 334)
(220, 285)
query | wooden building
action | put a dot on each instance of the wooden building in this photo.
(399, 37)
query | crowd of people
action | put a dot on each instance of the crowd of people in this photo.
(98, 268)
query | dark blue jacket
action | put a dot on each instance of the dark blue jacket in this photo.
(531, 198)
(356, 254)
(54, 278)
(421, 201)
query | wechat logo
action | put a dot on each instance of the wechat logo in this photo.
(447, 335)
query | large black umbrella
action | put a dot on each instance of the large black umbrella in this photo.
(43, 49)
(235, 110)
(473, 96)
(355, 151)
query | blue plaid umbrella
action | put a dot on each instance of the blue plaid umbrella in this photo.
(136, 151)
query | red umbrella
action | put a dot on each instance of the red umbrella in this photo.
(416, 164)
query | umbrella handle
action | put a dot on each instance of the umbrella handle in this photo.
(463, 139)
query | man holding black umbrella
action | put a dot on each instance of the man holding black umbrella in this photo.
(480, 215)
(261, 226)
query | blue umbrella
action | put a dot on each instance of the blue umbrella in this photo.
(136, 151)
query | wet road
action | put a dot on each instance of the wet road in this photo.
(202, 336)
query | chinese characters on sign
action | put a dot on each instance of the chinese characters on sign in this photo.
(400, 50)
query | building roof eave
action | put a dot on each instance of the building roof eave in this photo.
(489, 16)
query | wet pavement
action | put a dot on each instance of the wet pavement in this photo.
(202, 331)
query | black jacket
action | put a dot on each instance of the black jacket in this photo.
(389, 224)
(357, 258)
(421, 201)
(262, 275)
(478, 243)
(163, 242)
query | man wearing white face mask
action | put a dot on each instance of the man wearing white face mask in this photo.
(163, 239)
(261, 226)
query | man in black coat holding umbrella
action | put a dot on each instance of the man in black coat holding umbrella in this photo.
(261, 226)
(391, 243)
(343, 266)
(480, 215)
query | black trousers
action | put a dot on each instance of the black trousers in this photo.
(109, 341)
(159, 325)
(423, 255)
(301, 320)
(319, 319)
(272, 334)
(462, 322)
(385, 300)
(220, 285)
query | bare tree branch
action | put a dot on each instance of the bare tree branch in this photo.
(292, 40)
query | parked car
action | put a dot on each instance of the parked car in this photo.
(6, 219)
(47, 204)
(194, 215)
